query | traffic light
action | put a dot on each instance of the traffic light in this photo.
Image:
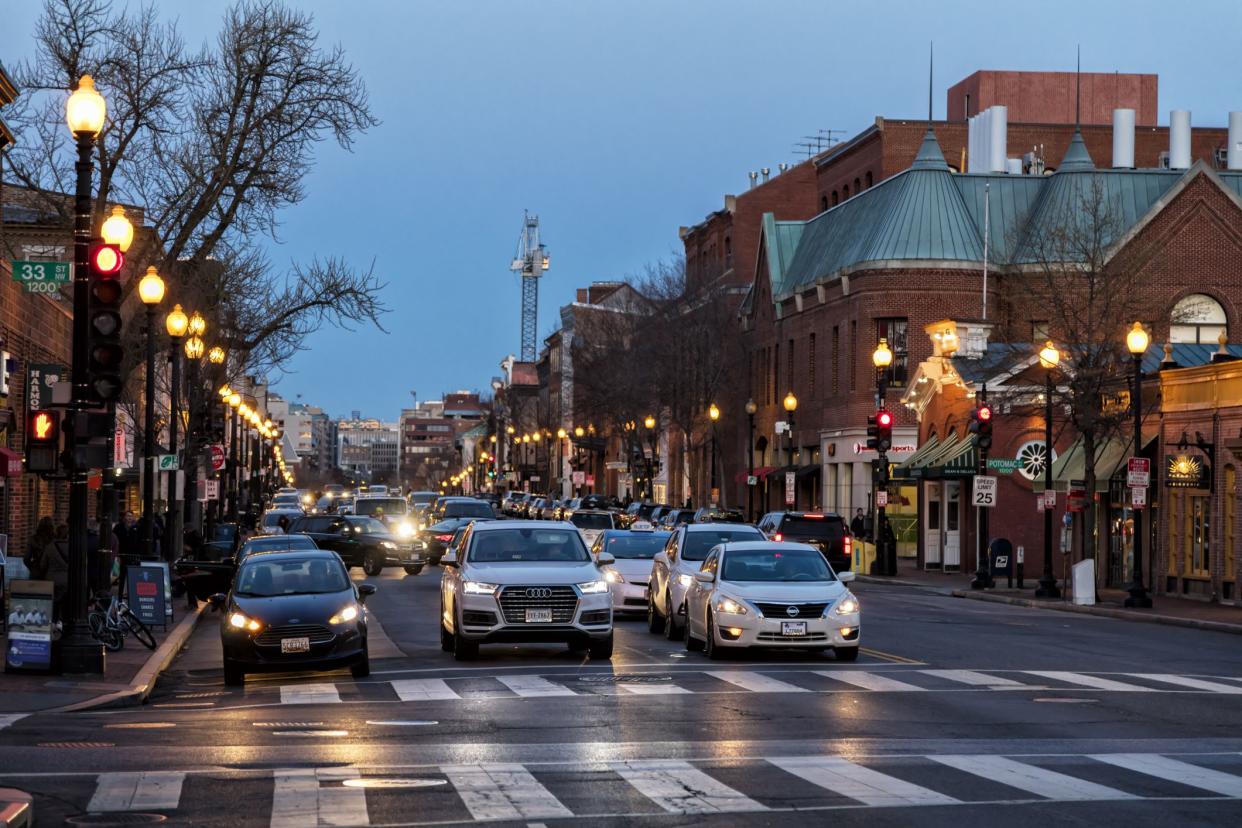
(873, 433)
(104, 342)
(981, 426)
(43, 442)
(884, 430)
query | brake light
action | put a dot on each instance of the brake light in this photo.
(814, 516)
(849, 545)
(444, 537)
(778, 537)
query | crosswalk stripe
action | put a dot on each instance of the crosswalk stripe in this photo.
(7, 719)
(154, 790)
(841, 776)
(503, 791)
(1175, 770)
(1030, 778)
(324, 693)
(299, 799)
(534, 686)
(415, 690)
(756, 682)
(973, 678)
(654, 689)
(1193, 683)
(1094, 682)
(868, 681)
(680, 788)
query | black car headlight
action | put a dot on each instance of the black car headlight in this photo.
(347, 613)
(240, 622)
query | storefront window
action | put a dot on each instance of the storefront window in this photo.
(1197, 535)
(1231, 499)
(954, 498)
(1175, 501)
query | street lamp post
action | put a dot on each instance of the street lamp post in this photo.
(84, 113)
(117, 230)
(1049, 357)
(751, 408)
(176, 323)
(151, 291)
(561, 436)
(234, 401)
(882, 358)
(713, 414)
(649, 423)
(791, 405)
(1137, 341)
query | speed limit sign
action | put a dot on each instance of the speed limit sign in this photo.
(985, 491)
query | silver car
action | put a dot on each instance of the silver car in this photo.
(672, 571)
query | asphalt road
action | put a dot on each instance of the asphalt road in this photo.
(958, 712)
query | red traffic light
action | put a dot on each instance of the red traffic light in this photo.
(985, 413)
(884, 418)
(106, 259)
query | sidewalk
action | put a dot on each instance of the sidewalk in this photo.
(1182, 612)
(127, 680)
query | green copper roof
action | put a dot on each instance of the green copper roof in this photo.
(1076, 156)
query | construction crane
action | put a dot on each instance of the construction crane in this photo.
(531, 260)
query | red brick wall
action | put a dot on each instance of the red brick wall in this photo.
(1048, 97)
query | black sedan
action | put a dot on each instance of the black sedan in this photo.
(295, 610)
(436, 538)
(361, 541)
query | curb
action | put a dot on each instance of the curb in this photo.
(878, 579)
(16, 808)
(144, 681)
(1104, 612)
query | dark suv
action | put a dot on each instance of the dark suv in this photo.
(826, 531)
(360, 541)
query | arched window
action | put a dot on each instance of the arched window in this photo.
(823, 203)
(1198, 318)
(836, 199)
(868, 179)
(845, 192)
(728, 252)
(857, 186)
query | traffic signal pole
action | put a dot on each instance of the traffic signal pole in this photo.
(981, 425)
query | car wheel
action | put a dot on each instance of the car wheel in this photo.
(372, 565)
(693, 645)
(413, 570)
(709, 643)
(601, 650)
(234, 675)
(672, 631)
(846, 653)
(655, 624)
(361, 669)
(464, 649)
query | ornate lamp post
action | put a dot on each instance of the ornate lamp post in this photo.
(1137, 341)
(751, 408)
(882, 358)
(561, 436)
(151, 291)
(176, 323)
(234, 400)
(649, 423)
(1049, 358)
(791, 405)
(713, 414)
(117, 230)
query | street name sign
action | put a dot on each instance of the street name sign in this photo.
(1004, 465)
(168, 462)
(40, 277)
(985, 491)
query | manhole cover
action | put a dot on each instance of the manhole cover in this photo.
(632, 679)
(77, 745)
(116, 819)
(380, 782)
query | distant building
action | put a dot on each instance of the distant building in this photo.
(369, 449)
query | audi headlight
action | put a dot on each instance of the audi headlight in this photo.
(612, 576)
(478, 588)
(592, 587)
(388, 544)
(726, 604)
(240, 622)
(349, 613)
(847, 605)
(685, 579)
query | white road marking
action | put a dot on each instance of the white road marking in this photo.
(7, 719)
(534, 686)
(503, 791)
(1030, 778)
(680, 788)
(1192, 683)
(309, 694)
(414, 690)
(659, 689)
(154, 790)
(841, 776)
(1162, 767)
(973, 678)
(868, 681)
(1094, 682)
(756, 682)
(299, 799)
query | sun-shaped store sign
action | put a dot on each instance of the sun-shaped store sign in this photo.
(1031, 457)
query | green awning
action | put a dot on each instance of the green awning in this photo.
(960, 460)
(1110, 455)
(906, 469)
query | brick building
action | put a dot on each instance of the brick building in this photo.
(1051, 97)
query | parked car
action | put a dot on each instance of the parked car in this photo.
(524, 582)
(717, 514)
(591, 522)
(272, 588)
(361, 541)
(600, 501)
(673, 569)
(780, 595)
(830, 533)
(633, 551)
(676, 517)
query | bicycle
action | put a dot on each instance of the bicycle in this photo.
(110, 626)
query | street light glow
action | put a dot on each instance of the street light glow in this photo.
(194, 348)
(198, 325)
(751, 408)
(713, 412)
(882, 357)
(85, 110)
(117, 229)
(1137, 340)
(176, 322)
(1049, 356)
(791, 402)
(151, 288)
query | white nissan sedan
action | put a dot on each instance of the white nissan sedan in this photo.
(780, 595)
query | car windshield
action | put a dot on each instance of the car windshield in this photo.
(261, 578)
(273, 518)
(388, 506)
(698, 544)
(422, 498)
(279, 542)
(590, 521)
(533, 545)
(819, 528)
(634, 545)
(368, 526)
(782, 565)
(468, 509)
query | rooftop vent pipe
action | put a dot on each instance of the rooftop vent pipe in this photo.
(754, 178)
(1233, 154)
(1179, 139)
(767, 171)
(1123, 139)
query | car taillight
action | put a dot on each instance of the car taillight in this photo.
(849, 545)
(778, 537)
(444, 537)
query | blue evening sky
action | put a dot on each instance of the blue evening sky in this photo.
(617, 122)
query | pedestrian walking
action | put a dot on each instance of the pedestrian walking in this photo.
(858, 526)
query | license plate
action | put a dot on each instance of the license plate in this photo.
(295, 645)
(793, 628)
(539, 616)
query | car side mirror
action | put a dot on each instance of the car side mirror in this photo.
(449, 559)
(365, 591)
(705, 577)
(217, 601)
(845, 577)
(605, 558)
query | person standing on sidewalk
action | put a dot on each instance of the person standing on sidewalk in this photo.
(36, 558)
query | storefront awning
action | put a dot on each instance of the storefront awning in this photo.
(807, 471)
(1110, 455)
(958, 460)
(905, 470)
(10, 463)
(760, 472)
(779, 471)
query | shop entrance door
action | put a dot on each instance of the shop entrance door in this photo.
(952, 522)
(931, 525)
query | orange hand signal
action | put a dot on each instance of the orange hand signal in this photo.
(43, 425)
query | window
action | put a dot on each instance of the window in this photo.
(728, 252)
(810, 391)
(1198, 319)
(845, 192)
(836, 199)
(789, 377)
(857, 186)
(868, 179)
(836, 359)
(894, 331)
(1230, 501)
(823, 203)
(1039, 331)
(1196, 522)
(853, 354)
(776, 372)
